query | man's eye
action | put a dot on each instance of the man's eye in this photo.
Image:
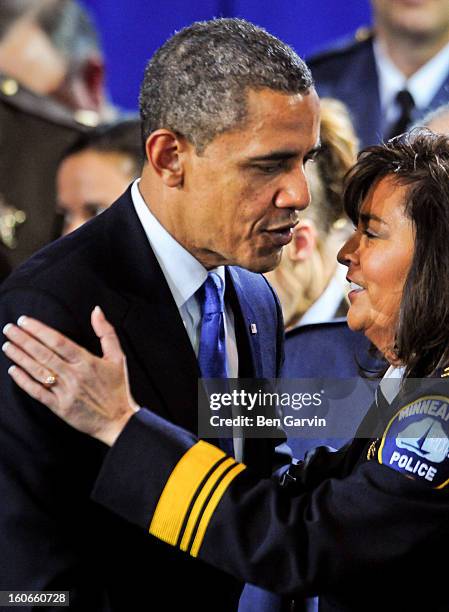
(269, 168)
(368, 233)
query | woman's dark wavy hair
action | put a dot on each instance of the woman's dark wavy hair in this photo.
(420, 160)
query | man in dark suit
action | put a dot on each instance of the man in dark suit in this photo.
(230, 118)
(390, 76)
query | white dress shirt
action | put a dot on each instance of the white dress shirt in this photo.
(184, 275)
(423, 84)
(391, 382)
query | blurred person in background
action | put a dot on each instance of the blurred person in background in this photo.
(311, 285)
(96, 170)
(312, 289)
(51, 48)
(309, 282)
(51, 91)
(391, 75)
(437, 120)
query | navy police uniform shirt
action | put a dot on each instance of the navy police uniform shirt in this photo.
(365, 528)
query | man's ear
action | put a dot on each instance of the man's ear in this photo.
(164, 151)
(304, 241)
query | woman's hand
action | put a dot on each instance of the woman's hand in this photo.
(89, 393)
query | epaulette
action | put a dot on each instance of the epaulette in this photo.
(14, 94)
(444, 372)
(343, 46)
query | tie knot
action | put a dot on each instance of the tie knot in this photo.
(212, 295)
(405, 100)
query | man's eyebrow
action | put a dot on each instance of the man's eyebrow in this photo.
(284, 154)
(367, 217)
(275, 155)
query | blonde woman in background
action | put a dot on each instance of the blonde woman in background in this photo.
(309, 282)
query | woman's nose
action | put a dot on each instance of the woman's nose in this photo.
(349, 251)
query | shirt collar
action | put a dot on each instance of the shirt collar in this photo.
(423, 85)
(325, 307)
(391, 382)
(183, 272)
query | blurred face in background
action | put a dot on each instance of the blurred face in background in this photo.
(309, 262)
(423, 19)
(27, 55)
(440, 123)
(88, 182)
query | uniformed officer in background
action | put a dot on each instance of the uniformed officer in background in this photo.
(391, 75)
(51, 90)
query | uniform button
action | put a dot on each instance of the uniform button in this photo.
(9, 87)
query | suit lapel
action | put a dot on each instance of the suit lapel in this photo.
(366, 104)
(152, 326)
(248, 344)
(439, 99)
(258, 453)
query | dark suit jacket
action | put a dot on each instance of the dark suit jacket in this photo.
(347, 71)
(5, 268)
(51, 535)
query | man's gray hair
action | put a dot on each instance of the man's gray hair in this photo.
(196, 83)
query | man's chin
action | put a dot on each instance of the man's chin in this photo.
(262, 264)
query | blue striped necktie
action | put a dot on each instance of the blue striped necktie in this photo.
(212, 349)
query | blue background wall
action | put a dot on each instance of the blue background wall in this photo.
(131, 30)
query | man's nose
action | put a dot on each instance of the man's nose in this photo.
(294, 192)
(349, 251)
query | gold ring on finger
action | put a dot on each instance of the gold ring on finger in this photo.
(50, 380)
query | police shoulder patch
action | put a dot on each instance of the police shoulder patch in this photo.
(416, 441)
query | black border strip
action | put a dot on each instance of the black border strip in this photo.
(194, 498)
(206, 503)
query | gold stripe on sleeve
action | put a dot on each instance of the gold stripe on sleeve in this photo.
(211, 506)
(180, 489)
(201, 499)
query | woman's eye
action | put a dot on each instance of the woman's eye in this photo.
(369, 234)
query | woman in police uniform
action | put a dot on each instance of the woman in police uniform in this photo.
(364, 528)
